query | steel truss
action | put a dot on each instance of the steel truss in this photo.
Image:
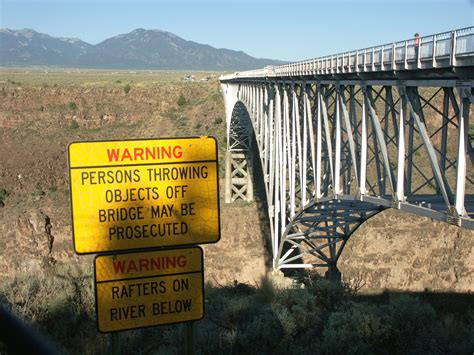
(239, 156)
(336, 152)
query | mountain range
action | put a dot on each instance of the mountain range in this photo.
(139, 49)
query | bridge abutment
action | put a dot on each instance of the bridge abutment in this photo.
(333, 274)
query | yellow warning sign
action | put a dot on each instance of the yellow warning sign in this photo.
(144, 193)
(149, 288)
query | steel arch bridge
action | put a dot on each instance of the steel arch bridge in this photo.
(343, 137)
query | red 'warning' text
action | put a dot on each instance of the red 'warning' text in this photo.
(148, 264)
(147, 153)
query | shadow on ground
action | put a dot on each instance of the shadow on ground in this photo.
(323, 317)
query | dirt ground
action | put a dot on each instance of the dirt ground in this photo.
(42, 112)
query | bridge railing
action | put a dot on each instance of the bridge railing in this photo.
(441, 50)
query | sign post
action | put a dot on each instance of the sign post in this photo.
(139, 194)
(150, 194)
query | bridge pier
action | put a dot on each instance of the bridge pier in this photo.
(280, 281)
(239, 159)
(333, 274)
(238, 176)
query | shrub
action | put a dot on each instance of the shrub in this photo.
(181, 101)
(72, 106)
(58, 303)
(266, 290)
(218, 121)
(414, 325)
(3, 195)
(328, 293)
(126, 88)
(74, 125)
(246, 319)
(356, 328)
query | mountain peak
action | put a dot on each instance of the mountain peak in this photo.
(26, 32)
(138, 49)
(142, 31)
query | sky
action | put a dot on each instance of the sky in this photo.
(276, 29)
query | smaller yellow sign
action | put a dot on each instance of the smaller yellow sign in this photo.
(138, 290)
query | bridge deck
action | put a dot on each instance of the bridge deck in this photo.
(443, 55)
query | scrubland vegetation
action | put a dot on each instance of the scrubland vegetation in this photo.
(322, 318)
(53, 291)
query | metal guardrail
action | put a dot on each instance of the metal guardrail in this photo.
(442, 50)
